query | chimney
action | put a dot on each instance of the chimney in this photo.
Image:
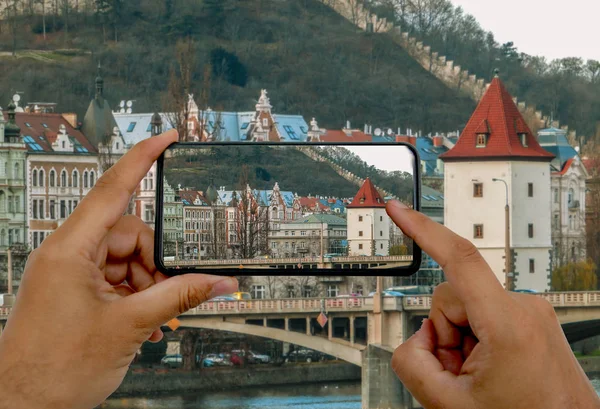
(438, 141)
(71, 118)
(347, 124)
(370, 130)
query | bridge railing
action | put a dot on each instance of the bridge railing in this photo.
(283, 305)
(566, 299)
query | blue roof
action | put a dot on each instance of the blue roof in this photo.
(555, 141)
(262, 196)
(429, 154)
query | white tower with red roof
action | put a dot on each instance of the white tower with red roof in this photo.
(498, 159)
(368, 223)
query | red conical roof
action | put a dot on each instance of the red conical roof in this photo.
(498, 117)
(367, 197)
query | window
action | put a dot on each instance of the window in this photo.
(63, 144)
(92, 179)
(52, 178)
(307, 291)
(532, 265)
(333, 290)
(131, 126)
(530, 230)
(303, 233)
(41, 178)
(63, 178)
(41, 209)
(481, 140)
(245, 125)
(360, 233)
(380, 233)
(290, 131)
(523, 138)
(360, 246)
(293, 233)
(380, 218)
(555, 195)
(265, 122)
(360, 218)
(478, 231)
(530, 189)
(75, 177)
(291, 293)
(556, 221)
(258, 292)
(477, 189)
(273, 245)
(35, 209)
(10, 204)
(16, 174)
(381, 246)
(52, 209)
(570, 196)
(63, 209)
(34, 178)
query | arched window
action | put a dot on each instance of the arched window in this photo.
(6, 169)
(85, 179)
(92, 179)
(571, 194)
(16, 173)
(75, 177)
(2, 202)
(2, 237)
(34, 178)
(63, 178)
(151, 180)
(52, 178)
(41, 177)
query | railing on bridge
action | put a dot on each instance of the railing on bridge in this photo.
(290, 260)
(283, 306)
(568, 299)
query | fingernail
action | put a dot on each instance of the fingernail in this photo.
(225, 286)
(397, 204)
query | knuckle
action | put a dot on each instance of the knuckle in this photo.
(191, 296)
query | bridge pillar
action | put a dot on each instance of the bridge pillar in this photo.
(308, 325)
(287, 323)
(265, 322)
(381, 388)
(352, 330)
(330, 328)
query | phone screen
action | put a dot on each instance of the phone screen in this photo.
(265, 207)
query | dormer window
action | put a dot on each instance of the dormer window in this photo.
(481, 140)
(523, 139)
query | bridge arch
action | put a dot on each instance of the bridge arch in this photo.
(339, 348)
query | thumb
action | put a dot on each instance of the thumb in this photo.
(415, 363)
(172, 297)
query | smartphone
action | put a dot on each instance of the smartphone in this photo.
(241, 208)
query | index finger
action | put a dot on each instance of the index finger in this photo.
(104, 205)
(465, 269)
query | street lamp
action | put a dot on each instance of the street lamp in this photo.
(508, 278)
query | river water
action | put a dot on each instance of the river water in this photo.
(325, 396)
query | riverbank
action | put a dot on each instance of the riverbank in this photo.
(145, 382)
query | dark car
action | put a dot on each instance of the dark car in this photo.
(304, 355)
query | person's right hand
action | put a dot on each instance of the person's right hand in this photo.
(484, 347)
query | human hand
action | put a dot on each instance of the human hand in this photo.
(482, 346)
(91, 295)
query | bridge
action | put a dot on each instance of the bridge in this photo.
(360, 262)
(361, 330)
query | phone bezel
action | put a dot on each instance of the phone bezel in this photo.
(248, 271)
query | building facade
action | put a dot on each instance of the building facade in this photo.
(496, 160)
(368, 223)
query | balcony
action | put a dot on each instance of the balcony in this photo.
(12, 182)
(574, 205)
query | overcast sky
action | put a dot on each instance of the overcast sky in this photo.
(549, 28)
(390, 158)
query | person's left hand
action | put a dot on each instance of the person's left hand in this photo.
(91, 295)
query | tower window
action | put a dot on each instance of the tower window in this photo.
(530, 230)
(478, 231)
(478, 190)
(481, 140)
(530, 189)
(532, 265)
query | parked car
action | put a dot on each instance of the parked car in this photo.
(527, 291)
(241, 296)
(172, 361)
(388, 294)
(253, 357)
(224, 298)
(304, 355)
